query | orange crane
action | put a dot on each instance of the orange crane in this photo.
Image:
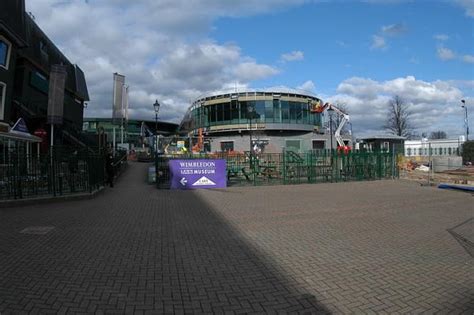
(200, 144)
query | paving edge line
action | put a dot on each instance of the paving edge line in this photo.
(44, 200)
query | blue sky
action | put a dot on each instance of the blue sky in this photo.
(356, 53)
(336, 39)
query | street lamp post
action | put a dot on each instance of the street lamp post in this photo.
(466, 122)
(156, 106)
(330, 110)
(250, 110)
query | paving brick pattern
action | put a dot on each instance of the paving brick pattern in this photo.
(368, 247)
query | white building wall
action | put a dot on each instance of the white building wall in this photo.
(442, 147)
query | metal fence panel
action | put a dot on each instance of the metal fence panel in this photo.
(287, 168)
(60, 173)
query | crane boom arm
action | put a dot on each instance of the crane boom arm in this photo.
(344, 119)
(317, 107)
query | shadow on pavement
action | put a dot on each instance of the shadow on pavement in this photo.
(135, 248)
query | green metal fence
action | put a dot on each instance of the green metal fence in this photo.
(65, 171)
(318, 166)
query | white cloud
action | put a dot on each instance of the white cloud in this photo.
(468, 58)
(394, 29)
(441, 37)
(162, 47)
(434, 104)
(249, 71)
(468, 5)
(462, 84)
(445, 53)
(295, 55)
(307, 86)
(378, 42)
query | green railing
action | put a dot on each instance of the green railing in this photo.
(318, 166)
(65, 171)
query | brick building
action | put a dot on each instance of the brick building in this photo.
(26, 58)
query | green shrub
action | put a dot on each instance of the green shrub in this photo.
(468, 152)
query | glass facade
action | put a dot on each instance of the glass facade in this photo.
(259, 111)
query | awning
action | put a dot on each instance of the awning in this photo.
(20, 136)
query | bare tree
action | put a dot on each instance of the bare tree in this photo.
(398, 120)
(438, 135)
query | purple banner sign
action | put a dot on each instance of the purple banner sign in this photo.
(196, 174)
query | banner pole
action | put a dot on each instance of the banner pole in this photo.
(52, 143)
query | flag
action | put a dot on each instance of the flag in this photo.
(57, 81)
(118, 113)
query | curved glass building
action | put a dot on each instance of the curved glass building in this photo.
(272, 120)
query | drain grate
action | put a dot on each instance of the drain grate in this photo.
(37, 230)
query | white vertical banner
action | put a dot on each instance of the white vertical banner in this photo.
(57, 82)
(118, 98)
(125, 102)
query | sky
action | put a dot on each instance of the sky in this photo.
(356, 53)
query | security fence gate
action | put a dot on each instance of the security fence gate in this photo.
(318, 166)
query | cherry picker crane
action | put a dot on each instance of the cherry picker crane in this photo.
(318, 107)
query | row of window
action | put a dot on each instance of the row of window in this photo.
(244, 112)
(292, 145)
(432, 151)
(5, 50)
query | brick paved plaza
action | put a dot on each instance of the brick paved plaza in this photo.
(366, 247)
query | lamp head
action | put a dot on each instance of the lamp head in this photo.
(156, 106)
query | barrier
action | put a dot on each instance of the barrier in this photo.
(289, 167)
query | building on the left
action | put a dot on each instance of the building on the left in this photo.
(27, 56)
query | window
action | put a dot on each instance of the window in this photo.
(285, 114)
(260, 110)
(269, 111)
(44, 50)
(305, 113)
(243, 112)
(293, 145)
(226, 111)
(5, 48)
(408, 151)
(3, 92)
(39, 81)
(318, 144)
(227, 146)
(234, 107)
(220, 112)
(276, 111)
(212, 113)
